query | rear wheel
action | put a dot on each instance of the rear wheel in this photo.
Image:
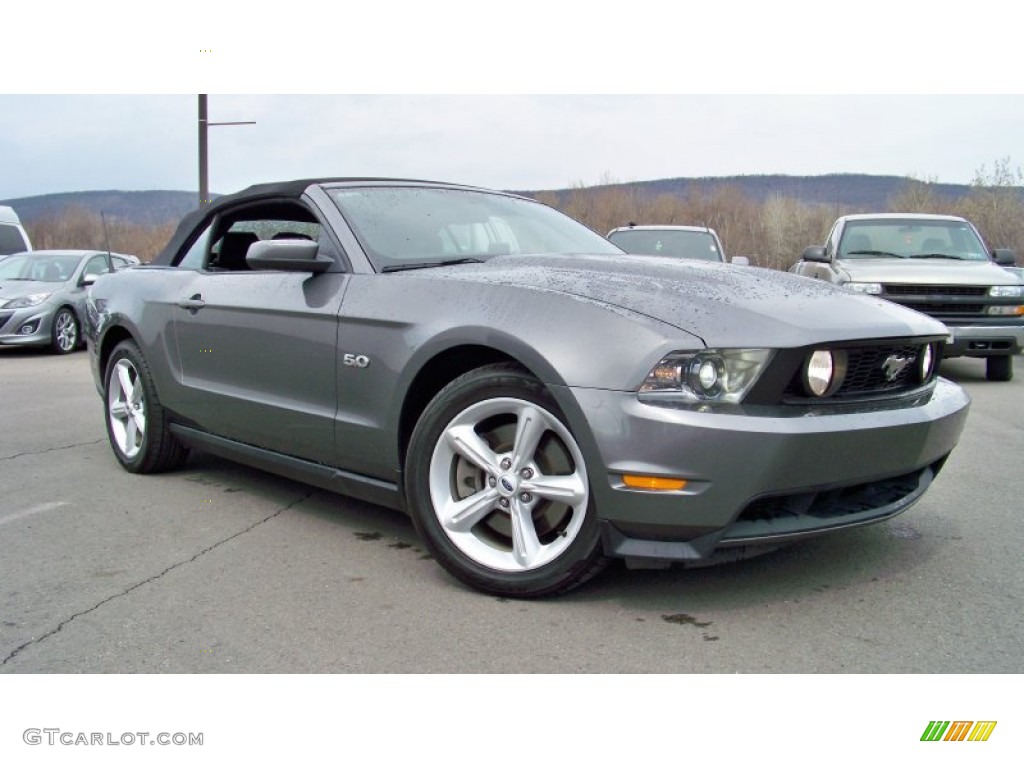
(999, 368)
(498, 487)
(136, 422)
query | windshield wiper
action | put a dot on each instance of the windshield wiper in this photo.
(935, 256)
(429, 264)
(874, 253)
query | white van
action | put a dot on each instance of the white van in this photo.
(13, 237)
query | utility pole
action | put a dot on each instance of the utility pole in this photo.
(204, 173)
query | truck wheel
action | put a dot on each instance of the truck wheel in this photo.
(999, 368)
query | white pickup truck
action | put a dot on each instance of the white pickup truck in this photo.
(938, 265)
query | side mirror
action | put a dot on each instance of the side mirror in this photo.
(87, 280)
(287, 256)
(741, 261)
(815, 253)
(1004, 257)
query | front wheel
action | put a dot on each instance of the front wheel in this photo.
(999, 368)
(136, 422)
(64, 337)
(498, 487)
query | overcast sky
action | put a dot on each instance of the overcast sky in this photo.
(531, 131)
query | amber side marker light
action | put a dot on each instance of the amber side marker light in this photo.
(645, 483)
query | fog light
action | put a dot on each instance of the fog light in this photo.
(820, 372)
(927, 362)
(29, 328)
(647, 483)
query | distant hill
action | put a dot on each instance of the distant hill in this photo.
(848, 191)
(844, 190)
(149, 208)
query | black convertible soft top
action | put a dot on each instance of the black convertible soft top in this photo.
(279, 189)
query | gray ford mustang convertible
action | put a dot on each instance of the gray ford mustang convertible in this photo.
(535, 399)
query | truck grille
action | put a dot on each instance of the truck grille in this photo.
(940, 300)
(935, 290)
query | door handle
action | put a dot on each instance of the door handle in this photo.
(193, 304)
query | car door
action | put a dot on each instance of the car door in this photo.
(257, 350)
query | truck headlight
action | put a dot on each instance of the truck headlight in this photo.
(875, 289)
(1006, 291)
(709, 375)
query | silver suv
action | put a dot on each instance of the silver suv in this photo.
(938, 265)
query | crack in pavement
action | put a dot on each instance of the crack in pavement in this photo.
(151, 579)
(48, 450)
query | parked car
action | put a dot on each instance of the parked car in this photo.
(13, 237)
(670, 240)
(42, 295)
(497, 370)
(938, 265)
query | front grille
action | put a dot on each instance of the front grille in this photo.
(4, 317)
(951, 310)
(866, 371)
(873, 370)
(935, 290)
(940, 300)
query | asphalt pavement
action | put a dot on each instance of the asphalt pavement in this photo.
(221, 568)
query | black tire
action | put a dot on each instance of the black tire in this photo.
(999, 368)
(520, 519)
(137, 424)
(65, 334)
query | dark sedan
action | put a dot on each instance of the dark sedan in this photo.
(537, 401)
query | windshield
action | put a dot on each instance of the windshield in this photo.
(423, 226)
(43, 269)
(911, 238)
(687, 244)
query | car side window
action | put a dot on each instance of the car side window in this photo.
(229, 250)
(195, 257)
(96, 266)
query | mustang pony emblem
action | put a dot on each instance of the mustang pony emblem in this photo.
(893, 366)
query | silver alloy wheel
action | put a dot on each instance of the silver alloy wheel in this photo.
(66, 331)
(508, 484)
(126, 408)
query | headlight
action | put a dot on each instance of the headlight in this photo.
(710, 375)
(1006, 290)
(27, 301)
(874, 289)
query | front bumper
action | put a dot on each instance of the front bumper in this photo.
(983, 340)
(762, 476)
(40, 318)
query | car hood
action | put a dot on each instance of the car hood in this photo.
(12, 289)
(924, 272)
(724, 305)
